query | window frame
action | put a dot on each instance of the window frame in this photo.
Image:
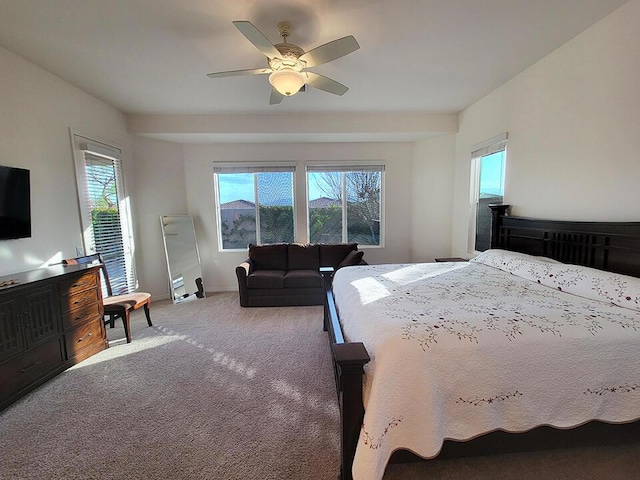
(478, 152)
(251, 168)
(107, 151)
(347, 167)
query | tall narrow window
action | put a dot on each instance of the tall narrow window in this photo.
(345, 204)
(255, 205)
(488, 164)
(104, 209)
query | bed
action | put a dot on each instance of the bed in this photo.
(542, 330)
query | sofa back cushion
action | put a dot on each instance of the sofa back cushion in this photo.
(303, 257)
(332, 254)
(269, 257)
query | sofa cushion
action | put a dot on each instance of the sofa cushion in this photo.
(266, 279)
(303, 257)
(353, 258)
(332, 254)
(302, 279)
(269, 257)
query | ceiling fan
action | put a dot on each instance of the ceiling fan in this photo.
(288, 62)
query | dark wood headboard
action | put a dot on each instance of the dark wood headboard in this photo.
(610, 246)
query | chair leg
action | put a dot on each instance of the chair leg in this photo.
(127, 325)
(146, 312)
(109, 320)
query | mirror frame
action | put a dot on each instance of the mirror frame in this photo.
(186, 296)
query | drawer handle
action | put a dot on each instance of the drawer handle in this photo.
(86, 336)
(33, 365)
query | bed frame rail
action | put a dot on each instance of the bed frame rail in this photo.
(349, 359)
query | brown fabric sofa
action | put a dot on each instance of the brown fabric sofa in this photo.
(289, 273)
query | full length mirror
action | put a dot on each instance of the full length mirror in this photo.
(183, 260)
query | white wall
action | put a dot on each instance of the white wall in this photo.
(574, 130)
(219, 267)
(37, 110)
(432, 197)
(573, 120)
(160, 190)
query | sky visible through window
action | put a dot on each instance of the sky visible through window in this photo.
(492, 174)
(239, 186)
(236, 186)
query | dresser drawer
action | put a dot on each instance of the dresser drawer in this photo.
(84, 313)
(77, 300)
(84, 335)
(79, 283)
(85, 339)
(27, 368)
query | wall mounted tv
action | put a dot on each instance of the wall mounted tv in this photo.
(15, 203)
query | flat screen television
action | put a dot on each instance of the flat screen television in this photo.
(15, 203)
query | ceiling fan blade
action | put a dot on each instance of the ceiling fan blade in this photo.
(236, 73)
(276, 97)
(326, 84)
(258, 39)
(330, 51)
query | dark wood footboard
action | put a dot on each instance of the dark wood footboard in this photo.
(349, 359)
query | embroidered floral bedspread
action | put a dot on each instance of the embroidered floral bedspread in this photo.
(506, 341)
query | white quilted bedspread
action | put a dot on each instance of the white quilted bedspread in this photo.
(461, 349)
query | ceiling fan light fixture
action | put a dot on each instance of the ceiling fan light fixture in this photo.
(287, 81)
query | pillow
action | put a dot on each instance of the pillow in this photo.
(546, 260)
(331, 254)
(497, 258)
(618, 289)
(269, 257)
(615, 288)
(354, 258)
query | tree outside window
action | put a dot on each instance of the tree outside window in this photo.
(345, 206)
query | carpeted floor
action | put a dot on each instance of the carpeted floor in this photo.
(213, 391)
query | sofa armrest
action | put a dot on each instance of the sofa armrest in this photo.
(242, 272)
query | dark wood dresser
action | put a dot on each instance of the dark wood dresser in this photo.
(50, 319)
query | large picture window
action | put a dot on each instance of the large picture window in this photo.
(488, 164)
(345, 204)
(255, 205)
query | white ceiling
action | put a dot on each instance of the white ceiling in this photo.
(152, 56)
